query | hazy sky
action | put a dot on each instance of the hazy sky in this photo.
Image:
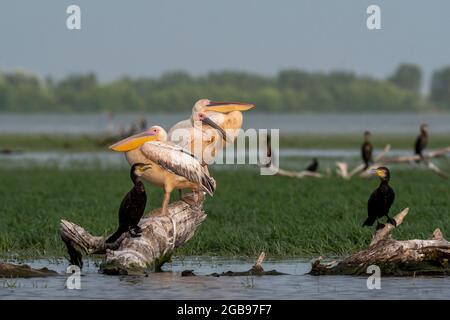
(146, 38)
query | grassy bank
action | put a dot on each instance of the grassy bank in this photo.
(249, 212)
(72, 143)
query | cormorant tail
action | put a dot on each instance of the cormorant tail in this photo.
(369, 222)
(116, 235)
(421, 157)
(75, 257)
(391, 221)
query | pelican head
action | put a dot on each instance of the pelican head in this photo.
(154, 133)
(204, 107)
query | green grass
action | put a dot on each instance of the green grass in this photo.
(46, 142)
(332, 141)
(249, 213)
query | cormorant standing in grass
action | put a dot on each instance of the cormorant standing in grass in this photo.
(366, 150)
(133, 205)
(381, 200)
(313, 166)
(421, 141)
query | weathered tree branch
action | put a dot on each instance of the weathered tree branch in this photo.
(161, 235)
(394, 257)
(382, 160)
(298, 174)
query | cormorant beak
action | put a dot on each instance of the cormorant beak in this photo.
(379, 173)
(133, 142)
(208, 121)
(141, 169)
(146, 167)
(226, 107)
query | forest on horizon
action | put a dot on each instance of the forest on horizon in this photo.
(289, 91)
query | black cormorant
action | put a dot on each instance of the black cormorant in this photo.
(133, 205)
(269, 151)
(380, 200)
(366, 150)
(421, 141)
(313, 166)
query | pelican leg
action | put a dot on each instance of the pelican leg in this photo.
(165, 203)
(164, 208)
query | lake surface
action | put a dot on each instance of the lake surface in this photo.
(170, 284)
(299, 158)
(290, 123)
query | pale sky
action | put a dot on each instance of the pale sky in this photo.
(147, 38)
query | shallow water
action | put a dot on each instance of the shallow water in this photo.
(107, 159)
(170, 284)
(290, 123)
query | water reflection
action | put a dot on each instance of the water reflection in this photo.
(170, 284)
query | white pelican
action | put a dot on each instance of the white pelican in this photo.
(171, 167)
(210, 125)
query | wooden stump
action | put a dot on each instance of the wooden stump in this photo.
(393, 257)
(161, 235)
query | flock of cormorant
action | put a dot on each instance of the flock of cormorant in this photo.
(381, 200)
(167, 164)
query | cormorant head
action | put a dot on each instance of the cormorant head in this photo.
(137, 170)
(366, 135)
(383, 173)
(424, 127)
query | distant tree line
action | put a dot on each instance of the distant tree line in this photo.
(289, 91)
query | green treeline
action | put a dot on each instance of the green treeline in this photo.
(289, 91)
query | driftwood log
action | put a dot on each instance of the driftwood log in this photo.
(256, 270)
(296, 174)
(10, 270)
(383, 160)
(393, 257)
(161, 235)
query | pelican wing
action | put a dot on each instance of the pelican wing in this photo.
(178, 161)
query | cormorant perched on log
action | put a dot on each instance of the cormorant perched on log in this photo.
(381, 200)
(421, 141)
(133, 205)
(313, 166)
(366, 150)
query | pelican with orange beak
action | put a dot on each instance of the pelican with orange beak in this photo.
(212, 126)
(170, 166)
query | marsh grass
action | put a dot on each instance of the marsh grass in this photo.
(249, 213)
